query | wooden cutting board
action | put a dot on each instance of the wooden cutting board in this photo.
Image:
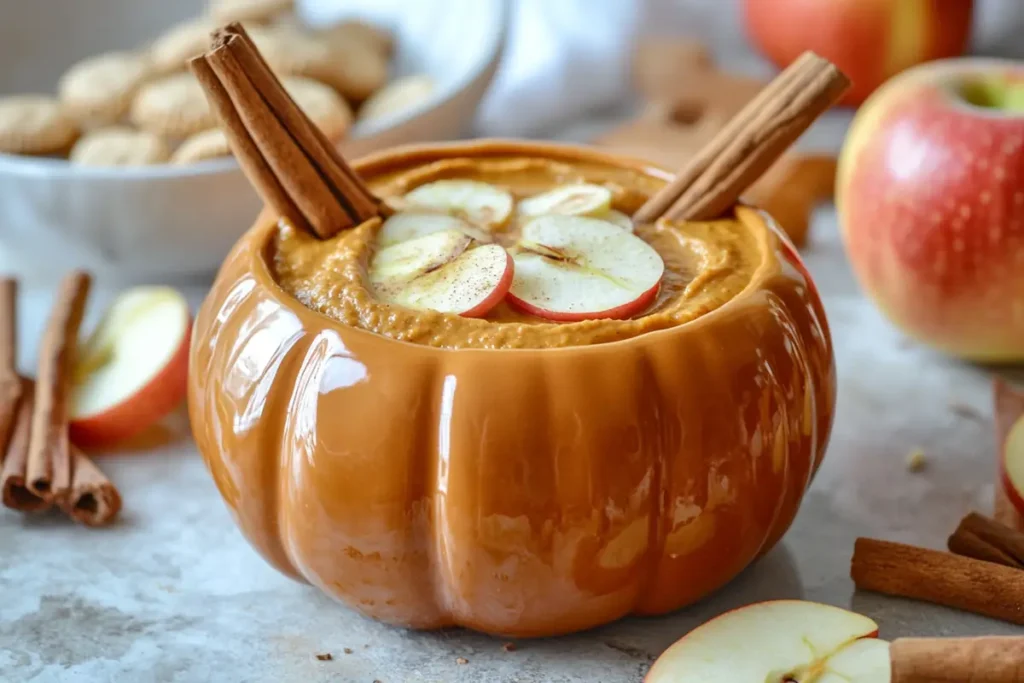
(688, 101)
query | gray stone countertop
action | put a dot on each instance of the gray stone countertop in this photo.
(173, 593)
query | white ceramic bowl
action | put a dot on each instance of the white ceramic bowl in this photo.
(166, 223)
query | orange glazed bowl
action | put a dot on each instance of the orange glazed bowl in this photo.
(521, 492)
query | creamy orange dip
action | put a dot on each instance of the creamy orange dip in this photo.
(706, 263)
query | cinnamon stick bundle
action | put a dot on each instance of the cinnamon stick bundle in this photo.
(288, 160)
(88, 497)
(715, 178)
(48, 472)
(988, 659)
(1009, 407)
(986, 539)
(938, 577)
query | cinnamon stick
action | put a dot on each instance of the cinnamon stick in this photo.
(15, 492)
(347, 186)
(715, 178)
(49, 467)
(1009, 407)
(940, 578)
(986, 539)
(286, 157)
(255, 167)
(988, 659)
(93, 500)
(10, 383)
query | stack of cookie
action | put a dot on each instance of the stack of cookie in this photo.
(145, 107)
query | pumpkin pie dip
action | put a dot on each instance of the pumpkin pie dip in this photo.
(706, 264)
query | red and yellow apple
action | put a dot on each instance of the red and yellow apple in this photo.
(870, 40)
(930, 195)
(780, 641)
(132, 371)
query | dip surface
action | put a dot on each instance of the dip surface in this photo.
(706, 263)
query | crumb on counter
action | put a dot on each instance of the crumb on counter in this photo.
(325, 656)
(462, 660)
(916, 460)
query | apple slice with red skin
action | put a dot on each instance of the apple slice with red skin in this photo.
(402, 227)
(1012, 465)
(132, 371)
(779, 641)
(440, 272)
(571, 268)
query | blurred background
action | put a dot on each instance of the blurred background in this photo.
(570, 70)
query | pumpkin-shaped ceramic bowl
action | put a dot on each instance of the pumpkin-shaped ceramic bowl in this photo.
(514, 491)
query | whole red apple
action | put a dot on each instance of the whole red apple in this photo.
(870, 40)
(930, 195)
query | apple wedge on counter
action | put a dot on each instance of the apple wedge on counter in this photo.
(572, 268)
(781, 641)
(1012, 465)
(132, 371)
(440, 272)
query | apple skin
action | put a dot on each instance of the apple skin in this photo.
(151, 403)
(495, 297)
(869, 40)
(618, 313)
(930, 197)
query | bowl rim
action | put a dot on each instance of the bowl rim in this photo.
(26, 166)
(771, 264)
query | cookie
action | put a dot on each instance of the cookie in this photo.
(171, 51)
(34, 124)
(173, 107)
(209, 144)
(98, 91)
(374, 37)
(256, 11)
(324, 107)
(119, 146)
(397, 96)
(353, 69)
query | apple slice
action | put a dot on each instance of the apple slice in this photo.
(402, 227)
(132, 370)
(616, 218)
(781, 641)
(484, 205)
(439, 272)
(1013, 465)
(577, 199)
(577, 268)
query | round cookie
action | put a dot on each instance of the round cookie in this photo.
(119, 146)
(98, 91)
(324, 107)
(353, 30)
(172, 50)
(209, 144)
(172, 107)
(396, 96)
(256, 11)
(34, 124)
(353, 69)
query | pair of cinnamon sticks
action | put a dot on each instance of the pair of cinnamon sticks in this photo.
(41, 467)
(983, 573)
(286, 158)
(716, 177)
